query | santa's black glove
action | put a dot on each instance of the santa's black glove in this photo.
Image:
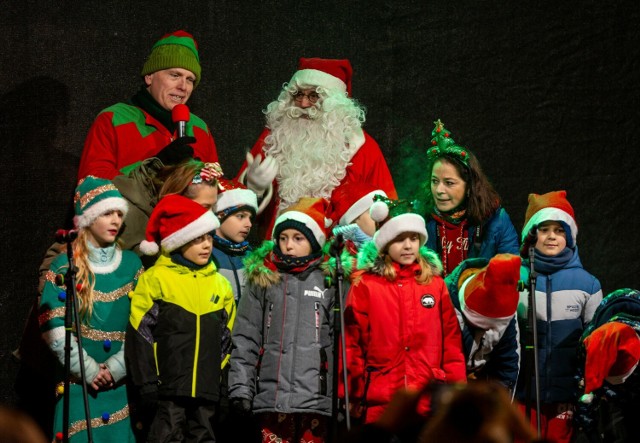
(530, 240)
(240, 406)
(176, 151)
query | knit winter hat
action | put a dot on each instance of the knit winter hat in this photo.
(552, 206)
(174, 222)
(395, 217)
(234, 196)
(93, 197)
(350, 199)
(175, 50)
(490, 293)
(308, 216)
(328, 73)
(613, 351)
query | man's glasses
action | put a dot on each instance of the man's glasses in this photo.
(312, 96)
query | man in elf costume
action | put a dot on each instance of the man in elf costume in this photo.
(127, 133)
(313, 141)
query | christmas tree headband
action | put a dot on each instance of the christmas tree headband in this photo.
(443, 145)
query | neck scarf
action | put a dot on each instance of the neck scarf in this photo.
(548, 264)
(144, 100)
(455, 216)
(179, 259)
(229, 247)
(293, 265)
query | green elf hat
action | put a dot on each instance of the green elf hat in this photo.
(175, 50)
(395, 217)
(442, 145)
(95, 196)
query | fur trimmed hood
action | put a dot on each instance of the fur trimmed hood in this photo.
(370, 260)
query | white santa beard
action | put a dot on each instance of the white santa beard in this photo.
(312, 154)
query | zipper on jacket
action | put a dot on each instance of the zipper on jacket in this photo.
(197, 344)
(317, 315)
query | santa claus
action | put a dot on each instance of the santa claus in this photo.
(313, 141)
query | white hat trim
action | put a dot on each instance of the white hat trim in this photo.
(236, 197)
(204, 224)
(314, 77)
(306, 220)
(551, 214)
(397, 225)
(619, 379)
(359, 207)
(96, 210)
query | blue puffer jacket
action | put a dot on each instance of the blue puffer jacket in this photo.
(231, 267)
(566, 301)
(497, 233)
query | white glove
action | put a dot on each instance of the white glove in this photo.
(260, 173)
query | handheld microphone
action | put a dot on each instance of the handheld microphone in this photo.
(180, 115)
(64, 236)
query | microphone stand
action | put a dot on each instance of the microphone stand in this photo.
(71, 308)
(533, 327)
(339, 334)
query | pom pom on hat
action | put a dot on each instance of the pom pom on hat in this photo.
(95, 196)
(174, 222)
(330, 74)
(349, 200)
(613, 351)
(175, 50)
(552, 206)
(308, 213)
(490, 293)
(393, 218)
(233, 197)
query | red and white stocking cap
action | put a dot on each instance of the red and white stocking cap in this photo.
(331, 74)
(552, 206)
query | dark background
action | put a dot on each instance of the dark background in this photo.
(545, 93)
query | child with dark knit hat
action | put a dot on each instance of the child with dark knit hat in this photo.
(104, 276)
(401, 327)
(282, 359)
(485, 293)
(566, 298)
(182, 312)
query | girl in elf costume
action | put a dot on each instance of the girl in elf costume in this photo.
(106, 275)
(400, 325)
(464, 216)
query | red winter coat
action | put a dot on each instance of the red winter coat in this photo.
(400, 334)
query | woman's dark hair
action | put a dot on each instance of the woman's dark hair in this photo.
(482, 200)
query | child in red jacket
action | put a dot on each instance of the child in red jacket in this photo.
(400, 325)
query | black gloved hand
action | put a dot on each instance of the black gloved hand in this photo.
(240, 406)
(176, 151)
(530, 240)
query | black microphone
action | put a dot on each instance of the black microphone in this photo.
(180, 115)
(64, 236)
(336, 246)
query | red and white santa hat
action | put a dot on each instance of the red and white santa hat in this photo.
(309, 216)
(174, 222)
(349, 200)
(552, 206)
(395, 217)
(613, 352)
(490, 294)
(233, 197)
(332, 74)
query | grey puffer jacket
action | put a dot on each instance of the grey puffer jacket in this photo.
(282, 358)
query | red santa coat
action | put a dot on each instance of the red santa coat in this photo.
(123, 134)
(367, 165)
(400, 334)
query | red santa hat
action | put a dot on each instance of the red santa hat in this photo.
(233, 197)
(552, 206)
(174, 222)
(394, 217)
(491, 293)
(330, 74)
(308, 216)
(613, 351)
(350, 199)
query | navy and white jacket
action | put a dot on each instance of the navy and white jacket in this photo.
(567, 297)
(231, 267)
